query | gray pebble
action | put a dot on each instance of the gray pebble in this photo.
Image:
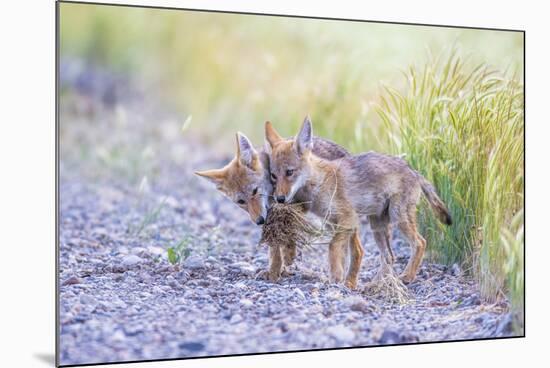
(192, 346)
(131, 260)
(87, 299)
(341, 333)
(194, 262)
(73, 280)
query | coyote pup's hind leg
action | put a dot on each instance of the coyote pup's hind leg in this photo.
(356, 257)
(381, 232)
(408, 229)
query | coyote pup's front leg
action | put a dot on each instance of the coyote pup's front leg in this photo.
(275, 263)
(279, 257)
(336, 254)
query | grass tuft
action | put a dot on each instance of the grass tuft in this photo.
(462, 128)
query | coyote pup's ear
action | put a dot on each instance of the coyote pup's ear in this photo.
(271, 135)
(245, 151)
(215, 176)
(267, 147)
(304, 139)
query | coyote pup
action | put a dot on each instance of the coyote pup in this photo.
(246, 181)
(382, 187)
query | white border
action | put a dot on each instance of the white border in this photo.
(27, 184)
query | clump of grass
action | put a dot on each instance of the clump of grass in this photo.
(388, 288)
(462, 128)
(512, 241)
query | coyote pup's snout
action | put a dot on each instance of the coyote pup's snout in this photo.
(289, 161)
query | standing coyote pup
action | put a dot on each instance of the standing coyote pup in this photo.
(246, 182)
(382, 187)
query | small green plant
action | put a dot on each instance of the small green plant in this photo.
(180, 251)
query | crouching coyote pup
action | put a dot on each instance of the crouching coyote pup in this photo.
(382, 187)
(246, 182)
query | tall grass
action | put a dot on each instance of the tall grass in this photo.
(462, 128)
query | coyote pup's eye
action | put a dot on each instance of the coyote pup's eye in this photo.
(240, 201)
(289, 172)
(274, 177)
(255, 191)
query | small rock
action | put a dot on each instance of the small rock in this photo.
(73, 280)
(137, 250)
(131, 260)
(334, 294)
(192, 346)
(247, 303)
(157, 290)
(118, 336)
(241, 285)
(182, 276)
(156, 251)
(172, 281)
(244, 267)
(87, 299)
(390, 337)
(103, 306)
(455, 270)
(357, 304)
(194, 262)
(299, 293)
(506, 326)
(133, 329)
(171, 201)
(472, 300)
(236, 318)
(283, 326)
(341, 333)
(480, 319)
(144, 277)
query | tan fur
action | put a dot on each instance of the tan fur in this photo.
(382, 187)
(248, 172)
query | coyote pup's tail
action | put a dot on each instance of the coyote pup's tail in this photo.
(435, 202)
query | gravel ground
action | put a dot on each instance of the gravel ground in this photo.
(127, 193)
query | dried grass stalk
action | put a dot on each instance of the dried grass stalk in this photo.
(389, 288)
(287, 225)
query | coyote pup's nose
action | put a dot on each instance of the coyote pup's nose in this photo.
(281, 199)
(260, 220)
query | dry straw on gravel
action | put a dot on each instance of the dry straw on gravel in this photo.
(286, 224)
(388, 288)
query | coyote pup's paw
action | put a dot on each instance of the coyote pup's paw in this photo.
(267, 276)
(406, 278)
(289, 271)
(352, 285)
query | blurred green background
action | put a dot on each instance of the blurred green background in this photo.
(449, 100)
(235, 71)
